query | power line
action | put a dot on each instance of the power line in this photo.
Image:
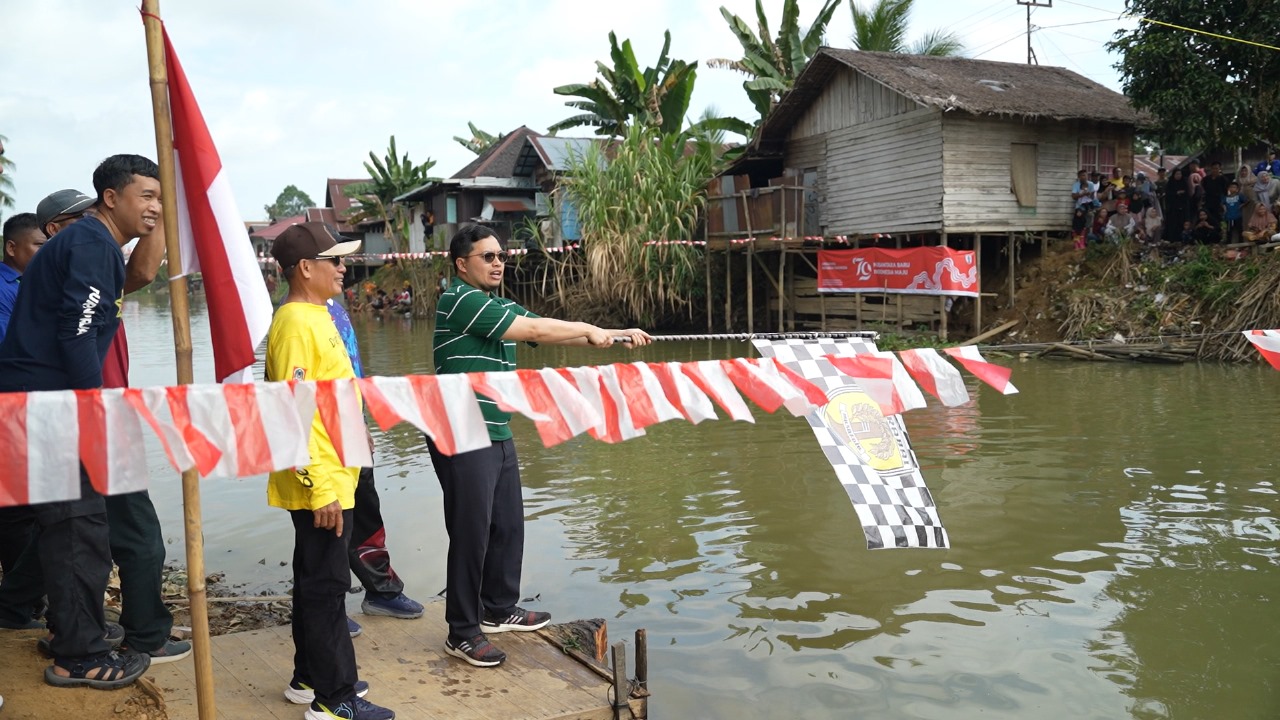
(999, 45)
(1144, 19)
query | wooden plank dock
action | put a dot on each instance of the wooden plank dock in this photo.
(406, 668)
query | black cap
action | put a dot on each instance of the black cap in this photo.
(63, 202)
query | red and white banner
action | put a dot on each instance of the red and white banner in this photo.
(1268, 343)
(213, 237)
(916, 271)
(241, 430)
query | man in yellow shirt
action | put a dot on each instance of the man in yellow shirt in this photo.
(304, 344)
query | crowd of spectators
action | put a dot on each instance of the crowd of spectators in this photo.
(1185, 206)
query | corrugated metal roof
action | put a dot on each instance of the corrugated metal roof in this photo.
(552, 153)
(271, 232)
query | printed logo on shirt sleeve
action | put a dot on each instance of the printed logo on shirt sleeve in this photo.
(88, 306)
(299, 373)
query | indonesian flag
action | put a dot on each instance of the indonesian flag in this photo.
(936, 375)
(996, 376)
(213, 236)
(1268, 343)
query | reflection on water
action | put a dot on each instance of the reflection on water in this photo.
(1073, 590)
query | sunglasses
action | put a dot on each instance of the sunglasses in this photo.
(490, 256)
(337, 261)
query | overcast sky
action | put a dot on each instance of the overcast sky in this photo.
(296, 91)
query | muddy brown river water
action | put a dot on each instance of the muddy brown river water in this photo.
(1115, 533)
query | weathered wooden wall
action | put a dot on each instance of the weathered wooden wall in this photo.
(885, 176)
(977, 158)
(850, 98)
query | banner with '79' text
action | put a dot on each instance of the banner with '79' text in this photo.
(917, 271)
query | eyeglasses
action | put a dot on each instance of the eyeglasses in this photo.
(337, 261)
(490, 256)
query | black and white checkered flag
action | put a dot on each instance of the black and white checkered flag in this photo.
(870, 453)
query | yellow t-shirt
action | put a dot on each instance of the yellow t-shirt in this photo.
(304, 344)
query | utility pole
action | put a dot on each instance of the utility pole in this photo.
(1031, 54)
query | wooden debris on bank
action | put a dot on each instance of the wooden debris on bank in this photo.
(1169, 353)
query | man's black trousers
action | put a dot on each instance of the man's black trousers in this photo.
(484, 516)
(323, 656)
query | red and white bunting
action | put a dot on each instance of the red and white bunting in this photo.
(937, 376)
(908, 391)
(874, 376)
(1268, 343)
(43, 443)
(997, 376)
(251, 429)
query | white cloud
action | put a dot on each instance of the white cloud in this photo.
(295, 91)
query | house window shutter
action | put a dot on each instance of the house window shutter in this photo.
(1022, 172)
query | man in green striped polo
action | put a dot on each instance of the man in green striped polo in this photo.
(477, 331)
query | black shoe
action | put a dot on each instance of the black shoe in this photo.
(478, 651)
(520, 620)
(353, 709)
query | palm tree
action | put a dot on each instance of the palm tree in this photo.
(389, 178)
(656, 96)
(772, 64)
(6, 182)
(479, 140)
(883, 28)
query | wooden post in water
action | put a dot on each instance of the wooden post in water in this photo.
(942, 299)
(706, 261)
(620, 689)
(977, 302)
(728, 285)
(178, 303)
(1013, 267)
(751, 255)
(642, 659)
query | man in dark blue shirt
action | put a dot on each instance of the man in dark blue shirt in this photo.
(62, 324)
(22, 238)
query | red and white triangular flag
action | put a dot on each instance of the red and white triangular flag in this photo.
(997, 376)
(1268, 343)
(874, 376)
(937, 376)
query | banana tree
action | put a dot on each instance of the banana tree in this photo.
(770, 63)
(623, 94)
(479, 140)
(389, 177)
(6, 182)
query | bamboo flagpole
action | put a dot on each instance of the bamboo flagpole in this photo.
(180, 311)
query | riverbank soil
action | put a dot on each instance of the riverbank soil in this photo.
(28, 697)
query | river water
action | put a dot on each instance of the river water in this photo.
(1116, 543)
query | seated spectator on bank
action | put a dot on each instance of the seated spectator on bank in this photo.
(1122, 225)
(1116, 181)
(1266, 189)
(1099, 225)
(1187, 236)
(1152, 225)
(1262, 225)
(1079, 227)
(1204, 232)
(1233, 212)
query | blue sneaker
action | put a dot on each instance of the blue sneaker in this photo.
(300, 693)
(354, 628)
(399, 606)
(356, 709)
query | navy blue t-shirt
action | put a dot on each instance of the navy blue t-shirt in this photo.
(66, 312)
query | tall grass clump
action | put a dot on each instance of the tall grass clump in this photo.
(629, 192)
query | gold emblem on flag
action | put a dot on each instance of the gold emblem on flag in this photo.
(856, 420)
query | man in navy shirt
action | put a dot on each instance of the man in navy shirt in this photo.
(22, 238)
(62, 325)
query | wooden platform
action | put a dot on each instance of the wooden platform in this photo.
(406, 668)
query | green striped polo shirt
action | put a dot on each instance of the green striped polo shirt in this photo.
(468, 338)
